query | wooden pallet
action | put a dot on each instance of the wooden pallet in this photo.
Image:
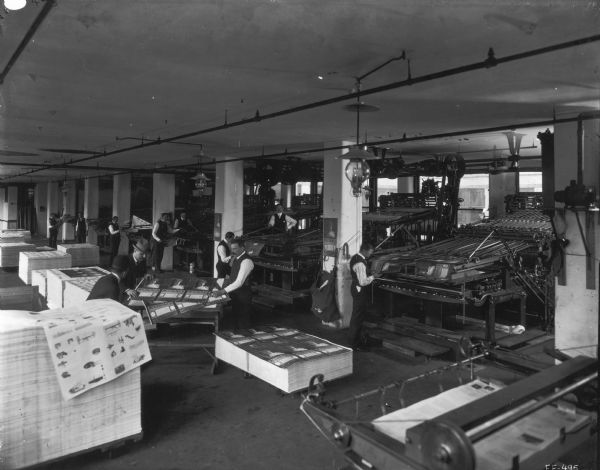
(406, 345)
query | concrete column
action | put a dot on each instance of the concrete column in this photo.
(339, 204)
(229, 202)
(163, 200)
(121, 206)
(52, 201)
(576, 311)
(287, 191)
(406, 184)
(91, 204)
(12, 193)
(69, 196)
(501, 185)
(41, 210)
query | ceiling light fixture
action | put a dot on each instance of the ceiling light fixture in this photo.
(15, 4)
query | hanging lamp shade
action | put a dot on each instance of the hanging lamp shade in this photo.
(15, 4)
(357, 152)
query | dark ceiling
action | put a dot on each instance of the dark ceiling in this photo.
(96, 71)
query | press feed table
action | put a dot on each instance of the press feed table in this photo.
(176, 301)
(474, 426)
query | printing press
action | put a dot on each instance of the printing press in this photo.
(485, 264)
(477, 425)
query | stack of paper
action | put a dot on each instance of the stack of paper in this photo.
(9, 253)
(77, 290)
(82, 254)
(69, 383)
(56, 279)
(285, 358)
(39, 279)
(15, 236)
(31, 260)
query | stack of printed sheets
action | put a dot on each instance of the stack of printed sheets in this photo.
(70, 380)
(82, 254)
(15, 236)
(32, 260)
(9, 252)
(57, 279)
(283, 357)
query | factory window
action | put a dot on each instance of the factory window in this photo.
(530, 182)
(474, 192)
(386, 186)
(302, 187)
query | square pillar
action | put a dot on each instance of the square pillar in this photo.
(91, 204)
(122, 206)
(52, 201)
(406, 184)
(69, 196)
(41, 210)
(576, 302)
(163, 200)
(344, 212)
(287, 191)
(12, 193)
(229, 202)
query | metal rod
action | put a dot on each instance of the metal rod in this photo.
(484, 240)
(486, 429)
(26, 39)
(489, 62)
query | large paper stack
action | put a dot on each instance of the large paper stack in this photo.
(82, 254)
(31, 260)
(77, 290)
(9, 253)
(46, 357)
(285, 358)
(39, 279)
(58, 277)
(15, 236)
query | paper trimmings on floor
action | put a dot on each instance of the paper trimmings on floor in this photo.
(9, 252)
(283, 357)
(29, 261)
(38, 424)
(82, 254)
(57, 278)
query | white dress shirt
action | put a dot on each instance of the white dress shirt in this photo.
(361, 274)
(223, 254)
(246, 268)
(289, 222)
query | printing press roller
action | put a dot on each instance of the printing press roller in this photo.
(517, 427)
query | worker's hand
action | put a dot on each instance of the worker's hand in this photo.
(218, 292)
(131, 293)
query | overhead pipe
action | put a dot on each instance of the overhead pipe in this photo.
(26, 39)
(491, 61)
(88, 168)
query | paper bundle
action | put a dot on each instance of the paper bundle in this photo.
(82, 254)
(56, 279)
(77, 291)
(15, 236)
(90, 355)
(283, 357)
(32, 260)
(39, 279)
(9, 252)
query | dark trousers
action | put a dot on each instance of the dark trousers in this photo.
(241, 304)
(223, 269)
(52, 238)
(360, 301)
(80, 237)
(158, 249)
(114, 242)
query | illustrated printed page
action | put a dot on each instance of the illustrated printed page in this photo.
(91, 347)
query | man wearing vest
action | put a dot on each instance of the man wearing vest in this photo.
(238, 285)
(281, 222)
(160, 233)
(360, 295)
(224, 256)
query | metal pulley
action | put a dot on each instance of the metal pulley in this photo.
(445, 446)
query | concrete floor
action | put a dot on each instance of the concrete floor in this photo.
(195, 420)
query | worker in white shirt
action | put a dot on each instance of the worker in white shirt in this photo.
(360, 297)
(224, 256)
(238, 284)
(280, 221)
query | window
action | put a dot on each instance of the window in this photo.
(302, 187)
(530, 182)
(475, 194)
